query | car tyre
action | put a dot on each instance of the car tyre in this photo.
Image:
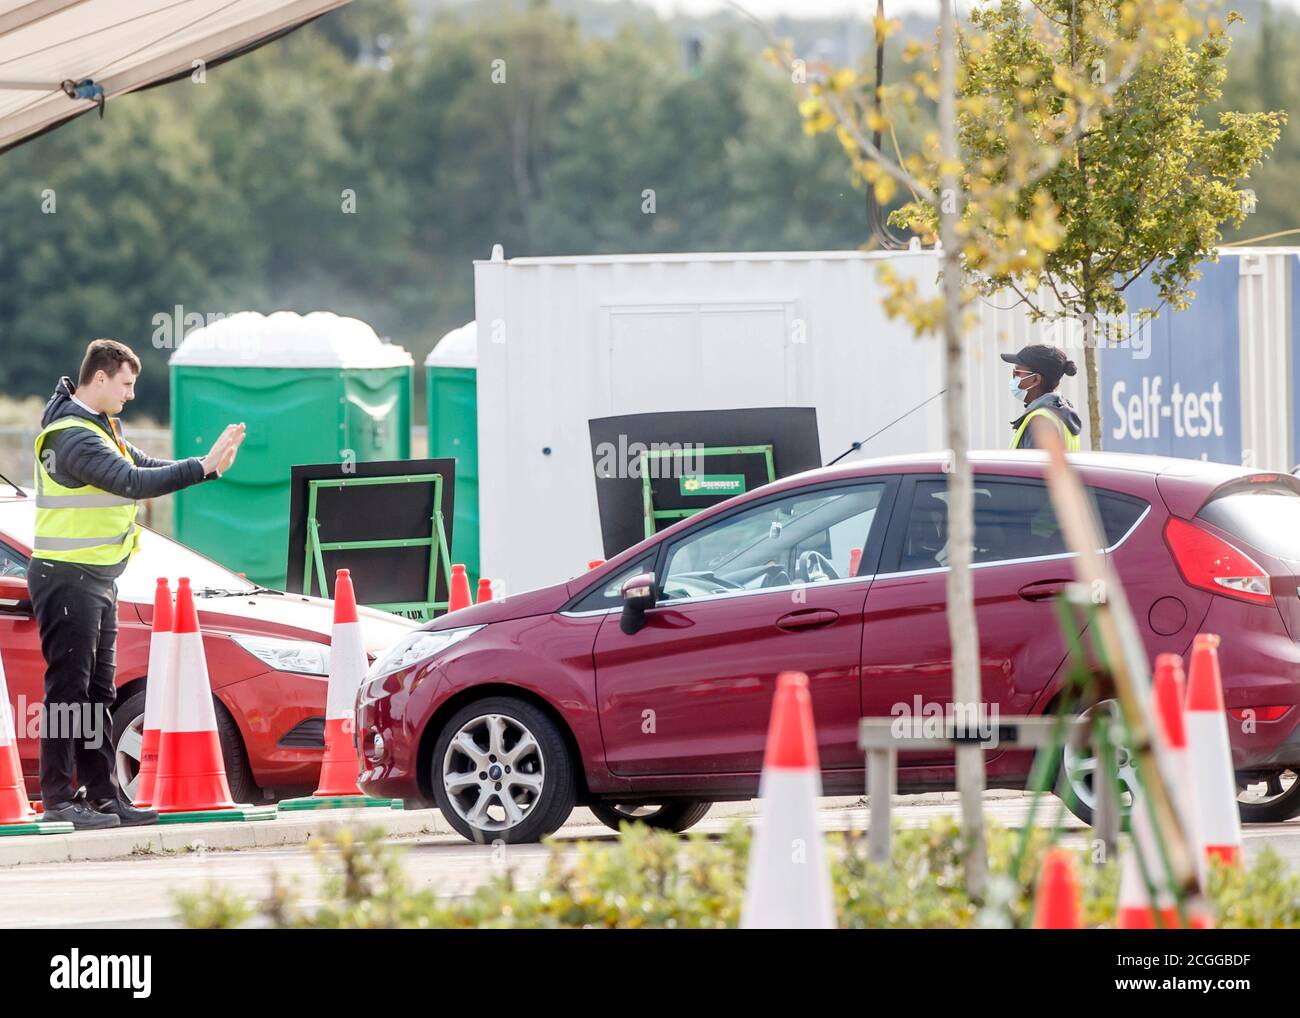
(501, 748)
(128, 723)
(239, 773)
(668, 816)
(1277, 807)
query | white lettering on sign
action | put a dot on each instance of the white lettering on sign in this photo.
(1139, 415)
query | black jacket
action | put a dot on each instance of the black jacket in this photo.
(75, 456)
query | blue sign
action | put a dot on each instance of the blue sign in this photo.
(1172, 386)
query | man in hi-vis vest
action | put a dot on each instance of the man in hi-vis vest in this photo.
(89, 481)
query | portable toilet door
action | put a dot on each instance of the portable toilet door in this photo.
(451, 374)
(315, 388)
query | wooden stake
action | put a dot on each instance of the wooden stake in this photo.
(1127, 656)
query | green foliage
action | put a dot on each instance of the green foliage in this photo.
(1147, 186)
(214, 908)
(1264, 896)
(659, 880)
(228, 195)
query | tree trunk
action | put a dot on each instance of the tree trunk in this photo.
(1090, 378)
(962, 632)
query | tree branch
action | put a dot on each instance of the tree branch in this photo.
(837, 109)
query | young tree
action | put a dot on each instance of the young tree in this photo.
(984, 198)
(1145, 188)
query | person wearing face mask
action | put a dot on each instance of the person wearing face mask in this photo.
(1037, 370)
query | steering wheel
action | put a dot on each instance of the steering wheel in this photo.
(813, 566)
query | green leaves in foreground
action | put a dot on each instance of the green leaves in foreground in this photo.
(658, 880)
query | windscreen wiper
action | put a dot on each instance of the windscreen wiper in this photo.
(232, 592)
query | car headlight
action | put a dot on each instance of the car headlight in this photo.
(288, 655)
(416, 647)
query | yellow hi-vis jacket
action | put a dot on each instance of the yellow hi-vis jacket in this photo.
(84, 524)
(1071, 439)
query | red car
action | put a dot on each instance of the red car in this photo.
(267, 654)
(644, 687)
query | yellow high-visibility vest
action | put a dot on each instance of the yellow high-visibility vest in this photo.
(84, 524)
(1071, 439)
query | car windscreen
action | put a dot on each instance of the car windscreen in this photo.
(1266, 518)
(158, 556)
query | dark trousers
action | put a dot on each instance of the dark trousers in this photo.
(77, 615)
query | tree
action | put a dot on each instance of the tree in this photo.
(1146, 188)
(981, 193)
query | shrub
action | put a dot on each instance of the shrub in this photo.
(660, 880)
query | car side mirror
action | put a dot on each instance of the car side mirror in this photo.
(15, 598)
(639, 596)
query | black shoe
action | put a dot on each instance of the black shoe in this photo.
(81, 815)
(124, 812)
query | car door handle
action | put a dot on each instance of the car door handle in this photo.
(809, 618)
(1043, 590)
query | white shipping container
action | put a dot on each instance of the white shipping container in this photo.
(564, 340)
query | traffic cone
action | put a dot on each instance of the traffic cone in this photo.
(340, 766)
(789, 886)
(1059, 904)
(1136, 910)
(160, 661)
(16, 813)
(484, 590)
(1168, 692)
(855, 558)
(1211, 754)
(190, 784)
(458, 596)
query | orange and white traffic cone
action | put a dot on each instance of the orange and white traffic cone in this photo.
(1211, 753)
(16, 813)
(160, 662)
(1168, 691)
(458, 596)
(789, 884)
(190, 784)
(340, 766)
(484, 590)
(1136, 911)
(1059, 904)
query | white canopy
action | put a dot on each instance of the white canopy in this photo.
(50, 46)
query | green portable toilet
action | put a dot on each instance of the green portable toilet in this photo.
(316, 388)
(451, 371)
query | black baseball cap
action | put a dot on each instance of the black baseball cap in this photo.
(1044, 360)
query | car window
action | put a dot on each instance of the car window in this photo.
(1265, 518)
(807, 537)
(610, 595)
(12, 563)
(1013, 520)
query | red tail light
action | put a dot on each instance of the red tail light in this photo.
(1259, 713)
(1211, 563)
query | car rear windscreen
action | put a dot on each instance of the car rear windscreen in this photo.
(1266, 518)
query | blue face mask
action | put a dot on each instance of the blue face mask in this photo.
(1013, 386)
